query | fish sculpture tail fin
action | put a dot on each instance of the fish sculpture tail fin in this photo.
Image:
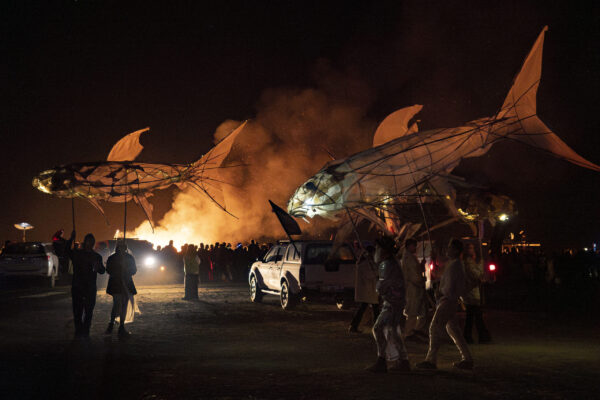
(520, 110)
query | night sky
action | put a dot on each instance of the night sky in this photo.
(78, 76)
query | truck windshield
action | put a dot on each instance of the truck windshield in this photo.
(318, 253)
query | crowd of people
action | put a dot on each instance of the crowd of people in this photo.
(392, 276)
(218, 262)
(389, 278)
(531, 279)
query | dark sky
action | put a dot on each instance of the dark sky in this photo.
(79, 75)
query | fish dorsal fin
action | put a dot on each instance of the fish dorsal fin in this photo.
(523, 92)
(395, 125)
(128, 148)
(215, 156)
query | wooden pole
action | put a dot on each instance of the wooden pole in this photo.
(125, 207)
(73, 211)
(125, 220)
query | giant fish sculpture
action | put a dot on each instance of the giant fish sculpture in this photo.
(120, 179)
(406, 165)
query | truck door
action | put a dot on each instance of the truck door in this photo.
(265, 267)
(276, 267)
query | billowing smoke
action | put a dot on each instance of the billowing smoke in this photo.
(291, 138)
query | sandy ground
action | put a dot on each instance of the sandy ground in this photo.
(224, 347)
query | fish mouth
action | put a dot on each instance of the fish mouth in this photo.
(54, 181)
(43, 182)
(313, 198)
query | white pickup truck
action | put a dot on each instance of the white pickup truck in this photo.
(294, 270)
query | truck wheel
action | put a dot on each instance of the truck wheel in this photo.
(288, 299)
(255, 293)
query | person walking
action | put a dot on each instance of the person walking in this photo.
(452, 286)
(416, 308)
(472, 299)
(121, 268)
(365, 280)
(86, 265)
(386, 331)
(191, 267)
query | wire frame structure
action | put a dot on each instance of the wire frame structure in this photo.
(119, 179)
(409, 167)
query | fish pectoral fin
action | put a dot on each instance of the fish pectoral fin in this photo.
(98, 207)
(146, 206)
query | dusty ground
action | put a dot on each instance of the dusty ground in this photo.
(225, 347)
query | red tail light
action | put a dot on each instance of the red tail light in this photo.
(431, 267)
(492, 267)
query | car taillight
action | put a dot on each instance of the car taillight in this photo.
(431, 267)
(48, 258)
(492, 267)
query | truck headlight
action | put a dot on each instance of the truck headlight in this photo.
(150, 262)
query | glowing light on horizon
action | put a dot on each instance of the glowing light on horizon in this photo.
(161, 236)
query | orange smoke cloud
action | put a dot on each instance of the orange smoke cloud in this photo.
(286, 143)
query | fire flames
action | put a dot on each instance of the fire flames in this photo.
(286, 143)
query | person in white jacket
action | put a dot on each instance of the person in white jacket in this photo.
(452, 286)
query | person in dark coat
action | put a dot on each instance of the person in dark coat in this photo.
(86, 264)
(191, 266)
(59, 243)
(121, 268)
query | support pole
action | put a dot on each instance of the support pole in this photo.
(125, 207)
(371, 264)
(73, 211)
(125, 219)
(420, 204)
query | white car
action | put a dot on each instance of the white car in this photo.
(29, 259)
(294, 270)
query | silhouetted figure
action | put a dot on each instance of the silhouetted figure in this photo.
(218, 258)
(472, 299)
(253, 251)
(452, 286)
(169, 257)
(386, 330)
(240, 263)
(86, 264)
(365, 280)
(59, 243)
(191, 266)
(121, 268)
